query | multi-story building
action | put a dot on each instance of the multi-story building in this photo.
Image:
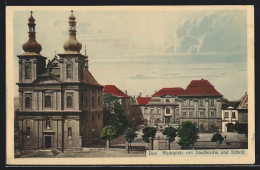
(199, 103)
(60, 105)
(229, 118)
(243, 109)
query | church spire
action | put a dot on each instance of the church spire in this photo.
(32, 45)
(72, 43)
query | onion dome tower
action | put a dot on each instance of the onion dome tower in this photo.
(32, 46)
(31, 62)
(72, 44)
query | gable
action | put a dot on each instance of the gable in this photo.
(47, 80)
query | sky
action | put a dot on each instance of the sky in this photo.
(144, 51)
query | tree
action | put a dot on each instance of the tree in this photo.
(130, 136)
(108, 133)
(109, 101)
(170, 133)
(149, 134)
(218, 138)
(188, 133)
(241, 128)
(119, 120)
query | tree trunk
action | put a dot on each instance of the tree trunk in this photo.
(108, 144)
(130, 146)
(169, 145)
(152, 144)
(217, 145)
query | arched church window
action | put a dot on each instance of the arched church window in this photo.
(69, 101)
(69, 132)
(168, 110)
(28, 102)
(28, 72)
(69, 71)
(47, 101)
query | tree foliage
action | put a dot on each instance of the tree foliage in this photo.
(108, 132)
(218, 138)
(188, 133)
(119, 120)
(130, 135)
(241, 128)
(170, 133)
(148, 134)
(226, 103)
(109, 101)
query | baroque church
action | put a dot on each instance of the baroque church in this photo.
(60, 104)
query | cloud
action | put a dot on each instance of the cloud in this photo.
(214, 32)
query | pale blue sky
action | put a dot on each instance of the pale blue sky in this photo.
(144, 51)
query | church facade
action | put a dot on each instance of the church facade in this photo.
(60, 104)
(199, 103)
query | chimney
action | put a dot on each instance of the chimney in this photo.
(140, 94)
(126, 92)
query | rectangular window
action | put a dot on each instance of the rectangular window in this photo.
(191, 114)
(233, 115)
(191, 102)
(184, 114)
(152, 111)
(98, 101)
(212, 102)
(47, 101)
(93, 117)
(226, 114)
(99, 116)
(93, 101)
(212, 114)
(146, 110)
(158, 111)
(86, 101)
(184, 102)
(28, 72)
(201, 103)
(202, 114)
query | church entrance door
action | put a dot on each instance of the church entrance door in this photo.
(47, 142)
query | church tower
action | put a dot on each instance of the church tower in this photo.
(72, 61)
(31, 62)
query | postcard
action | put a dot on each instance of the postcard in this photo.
(130, 85)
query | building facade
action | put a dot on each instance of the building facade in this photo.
(199, 103)
(60, 104)
(229, 118)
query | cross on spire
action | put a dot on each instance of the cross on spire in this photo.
(85, 50)
(31, 13)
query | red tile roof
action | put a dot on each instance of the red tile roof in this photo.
(112, 89)
(201, 88)
(143, 100)
(195, 88)
(170, 91)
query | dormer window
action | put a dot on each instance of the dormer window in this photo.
(69, 71)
